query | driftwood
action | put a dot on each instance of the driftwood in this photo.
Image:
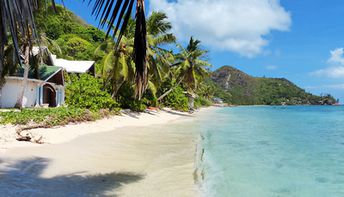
(28, 137)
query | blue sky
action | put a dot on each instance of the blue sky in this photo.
(298, 40)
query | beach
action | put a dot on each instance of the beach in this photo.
(128, 155)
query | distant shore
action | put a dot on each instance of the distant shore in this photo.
(161, 161)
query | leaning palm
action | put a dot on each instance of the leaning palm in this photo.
(192, 67)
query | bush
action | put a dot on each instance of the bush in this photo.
(126, 99)
(177, 100)
(201, 101)
(74, 47)
(137, 105)
(51, 117)
(84, 91)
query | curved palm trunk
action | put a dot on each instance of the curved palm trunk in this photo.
(116, 88)
(191, 102)
(169, 91)
(20, 104)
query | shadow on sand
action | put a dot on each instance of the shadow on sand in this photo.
(23, 178)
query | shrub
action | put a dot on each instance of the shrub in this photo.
(177, 100)
(127, 100)
(84, 91)
(52, 116)
(137, 105)
(74, 47)
(201, 101)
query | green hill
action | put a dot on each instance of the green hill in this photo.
(247, 90)
(67, 35)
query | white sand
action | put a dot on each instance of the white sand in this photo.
(131, 159)
(67, 133)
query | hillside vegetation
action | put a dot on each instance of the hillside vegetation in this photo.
(247, 90)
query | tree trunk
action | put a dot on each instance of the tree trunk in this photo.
(191, 99)
(116, 89)
(169, 91)
(20, 99)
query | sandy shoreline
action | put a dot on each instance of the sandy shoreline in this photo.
(69, 132)
(137, 153)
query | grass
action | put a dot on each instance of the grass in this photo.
(52, 116)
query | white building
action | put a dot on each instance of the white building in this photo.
(48, 90)
(74, 66)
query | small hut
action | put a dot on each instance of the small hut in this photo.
(47, 90)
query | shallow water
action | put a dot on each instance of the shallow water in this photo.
(274, 151)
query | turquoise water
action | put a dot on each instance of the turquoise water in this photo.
(274, 152)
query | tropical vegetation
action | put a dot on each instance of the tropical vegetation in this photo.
(170, 76)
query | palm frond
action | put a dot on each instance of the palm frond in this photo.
(157, 24)
(17, 23)
(152, 88)
(117, 13)
(165, 39)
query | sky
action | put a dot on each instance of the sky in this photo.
(302, 41)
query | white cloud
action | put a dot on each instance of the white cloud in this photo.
(333, 86)
(337, 57)
(336, 62)
(271, 67)
(232, 25)
(332, 72)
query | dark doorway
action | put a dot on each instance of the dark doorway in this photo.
(49, 95)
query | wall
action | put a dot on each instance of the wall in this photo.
(11, 90)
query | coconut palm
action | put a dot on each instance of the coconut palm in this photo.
(158, 58)
(117, 13)
(117, 65)
(191, 68)
(17, 24)
(16, 17)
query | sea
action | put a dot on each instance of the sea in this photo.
(273, 151)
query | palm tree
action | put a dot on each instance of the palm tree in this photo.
(158, 58)
(118, 12)
(117, 65)
(16, 17)
(17, 24)
(191, 68)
